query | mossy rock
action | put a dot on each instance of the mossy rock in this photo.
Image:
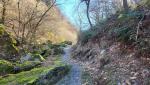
(28, 77)
(26, 66)
(55, 46)
(63, 45)
(7, 45)
(46, 53)
(68, 42)
(58, 51)
(37, 57)
(5, 67)
(53, 76)
(32, 57)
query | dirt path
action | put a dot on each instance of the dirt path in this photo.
(74, 77)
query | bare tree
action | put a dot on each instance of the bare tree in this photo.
(4, 8)
(87, 2)
(125, 5)
(41, 18)
(25, 19)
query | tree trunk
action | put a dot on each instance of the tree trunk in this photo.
(125, 5)
(87, 11)
(3, 12)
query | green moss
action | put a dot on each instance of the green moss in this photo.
(28, 63)
(27, 77)
(53, 76)
(24, 77)
(57, 60)
(5, 67)
(1, 30)
(7, 44)
(47, 53)
(26, 66)
(13, 41)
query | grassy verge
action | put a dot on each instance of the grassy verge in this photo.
(24, 78)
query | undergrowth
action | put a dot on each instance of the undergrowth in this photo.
(123, 28)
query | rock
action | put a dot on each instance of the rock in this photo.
(103, 58)
(27, 57)
(25, 66)
(32, 57)
(53, 76)
(17, 69)
(37, 57)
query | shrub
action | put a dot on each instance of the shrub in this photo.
(130, 15)
(122, 34)
(86, 35)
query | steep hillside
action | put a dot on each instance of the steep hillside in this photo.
(117, 51)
